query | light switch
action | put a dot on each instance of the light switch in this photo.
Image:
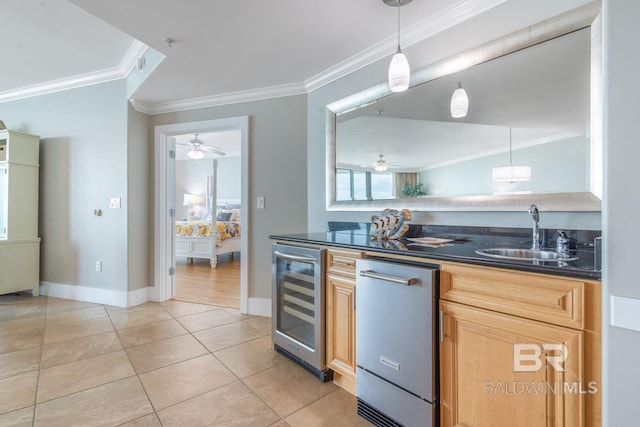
(113, 203)
(260, 202)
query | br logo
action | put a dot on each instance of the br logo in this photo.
(530, 357)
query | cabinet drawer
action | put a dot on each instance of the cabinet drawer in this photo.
(529, 295)
(342, 262)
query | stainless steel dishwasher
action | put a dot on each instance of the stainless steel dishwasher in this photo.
(396, 344)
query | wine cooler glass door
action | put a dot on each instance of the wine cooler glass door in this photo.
(298, 287)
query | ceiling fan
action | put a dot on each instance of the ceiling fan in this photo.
(198, 148)
(380, 165)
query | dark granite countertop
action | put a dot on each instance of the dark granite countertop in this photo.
(466, 240)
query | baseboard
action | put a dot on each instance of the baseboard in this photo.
(95, 295)
(139, 296)
(345, 382)
(259, 307)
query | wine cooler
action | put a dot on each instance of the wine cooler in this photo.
(298, 306)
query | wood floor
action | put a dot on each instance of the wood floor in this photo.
(198, 282)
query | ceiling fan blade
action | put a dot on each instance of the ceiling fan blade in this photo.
(215, 150)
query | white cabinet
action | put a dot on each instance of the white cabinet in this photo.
(19, 241)
(3, 205)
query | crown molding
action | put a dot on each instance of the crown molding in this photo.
(73, 82)
(452, 16)
(130, 59)
(218, 100)
(136, 49)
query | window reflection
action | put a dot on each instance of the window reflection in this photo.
(362, 185)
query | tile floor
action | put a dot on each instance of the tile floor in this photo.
(68, 363)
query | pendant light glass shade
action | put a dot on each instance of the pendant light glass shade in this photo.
(459, 102)
(511, 174)
(196, 154)
(399, 72)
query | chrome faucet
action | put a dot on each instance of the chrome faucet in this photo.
(536, 245)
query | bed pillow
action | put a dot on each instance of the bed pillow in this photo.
(235, 215)
(224, 216)
(232, 215)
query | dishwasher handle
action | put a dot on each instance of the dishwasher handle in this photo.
(387, 278)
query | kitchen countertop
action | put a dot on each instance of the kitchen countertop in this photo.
(466, 240)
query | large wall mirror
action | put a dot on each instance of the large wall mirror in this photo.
(534, 101)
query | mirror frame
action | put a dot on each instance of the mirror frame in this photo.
(582, 17)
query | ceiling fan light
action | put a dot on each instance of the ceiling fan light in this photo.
(380, 167)
(459, 103)
(195, 154)
(399, 72)
(512, 174)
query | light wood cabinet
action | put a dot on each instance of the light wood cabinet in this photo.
(340, 316)
(518, 349)
(19, 242)
(549, 299)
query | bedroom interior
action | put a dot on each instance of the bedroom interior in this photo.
(207, 192)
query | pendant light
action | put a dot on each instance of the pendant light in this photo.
(459, 102)
(511, 174)
(399, 71)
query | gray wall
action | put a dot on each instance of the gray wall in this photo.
(139, 231)
(508, 17)
(229, 178)
(622, 203)
(83, 158)
(277, 156)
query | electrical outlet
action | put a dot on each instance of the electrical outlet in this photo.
(99, 266)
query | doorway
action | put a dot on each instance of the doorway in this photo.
(208, 213)
(166, 211)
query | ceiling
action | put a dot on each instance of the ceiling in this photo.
(224, 51)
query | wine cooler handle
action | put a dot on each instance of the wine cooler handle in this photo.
(294, 257)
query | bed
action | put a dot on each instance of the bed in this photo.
(217, 233)
(197, 239)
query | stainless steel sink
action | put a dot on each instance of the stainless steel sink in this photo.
(525, 254)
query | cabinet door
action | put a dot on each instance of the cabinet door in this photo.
(3, 200)
(501, 370)
(341, 326)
